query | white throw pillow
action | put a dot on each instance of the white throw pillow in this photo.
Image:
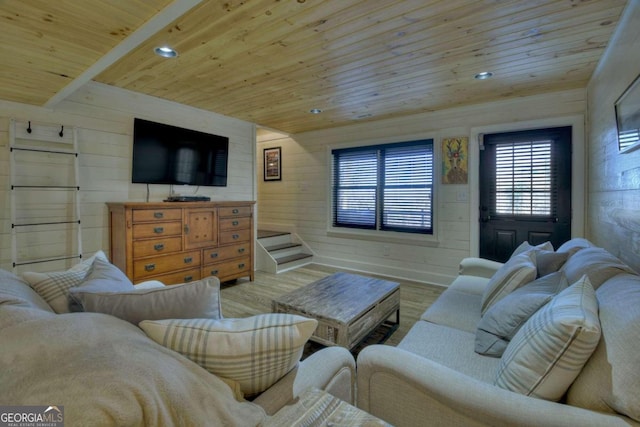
(549, 351)
(516, 272)
(255, 351)
(54, 287)
(526, 246)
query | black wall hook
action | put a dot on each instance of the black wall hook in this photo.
(61, 132)
(29, 127)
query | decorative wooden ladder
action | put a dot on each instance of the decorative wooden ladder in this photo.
(45, 195)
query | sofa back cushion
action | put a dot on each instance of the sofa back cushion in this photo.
(596, 263)
(610, 381)
(14, 290)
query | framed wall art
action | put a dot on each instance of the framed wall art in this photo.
(272, 164)
(628, 118)
(455, 160)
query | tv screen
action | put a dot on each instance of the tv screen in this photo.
(165, 154)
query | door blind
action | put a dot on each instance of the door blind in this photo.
(524, 178)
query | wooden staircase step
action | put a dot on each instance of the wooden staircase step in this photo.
(291, 258)
(263, 234)
(282, 246)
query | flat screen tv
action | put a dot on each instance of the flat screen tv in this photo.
(165, 154)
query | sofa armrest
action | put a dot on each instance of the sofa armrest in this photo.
(332, 369)
(479, 267)
(405, 389)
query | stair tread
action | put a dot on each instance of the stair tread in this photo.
(291, 258)
(282, 246)
(263, 234)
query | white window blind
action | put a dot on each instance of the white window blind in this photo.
(524, 177)
(384, 187)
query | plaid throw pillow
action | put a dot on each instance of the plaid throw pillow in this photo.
(255, 351)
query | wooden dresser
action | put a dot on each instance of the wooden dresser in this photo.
(178, 242)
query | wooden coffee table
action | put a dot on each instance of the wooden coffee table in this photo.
(348, 307)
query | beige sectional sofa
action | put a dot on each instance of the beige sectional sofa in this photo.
(436, 377)
(105, 371)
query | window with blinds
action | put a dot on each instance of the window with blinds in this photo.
(384, 187)
(524, 179)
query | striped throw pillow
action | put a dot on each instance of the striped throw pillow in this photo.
(518, 271)
(548, 352)
(255, 351)
(54, 287)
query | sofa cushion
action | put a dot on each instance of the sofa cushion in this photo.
(550, 349)
(12, 314)
(501, 322)
(596, 263)
(519, 270)
(610, 381)
(199, 299)
(449, 347)
(54, 287)
(255, 351)
(107, 372)
(16, 291)
(459, 310)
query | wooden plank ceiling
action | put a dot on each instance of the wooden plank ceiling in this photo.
(271, 61)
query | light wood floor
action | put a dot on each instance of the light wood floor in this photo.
(244, 298)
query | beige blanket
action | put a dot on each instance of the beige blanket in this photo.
(106, 372)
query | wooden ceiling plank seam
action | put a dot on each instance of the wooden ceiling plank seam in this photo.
(177, 8)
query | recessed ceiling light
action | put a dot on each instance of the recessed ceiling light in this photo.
(165, 52)
(315, 111)
(483, 75)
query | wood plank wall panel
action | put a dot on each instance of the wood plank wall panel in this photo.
(299, 202)
(104, 118)
(613, 211)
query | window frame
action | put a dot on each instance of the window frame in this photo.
(394, 236)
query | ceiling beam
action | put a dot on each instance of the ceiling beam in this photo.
(151, 27)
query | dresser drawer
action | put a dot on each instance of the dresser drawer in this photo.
(142, 231)
(150, 247)
(226, 252)
(154, 215)
(234, 223)
(227, 269)
(184, 276)
(234, 211)
(235, 236)
(165, 263)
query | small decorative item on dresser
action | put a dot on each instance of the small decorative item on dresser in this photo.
(272, 165)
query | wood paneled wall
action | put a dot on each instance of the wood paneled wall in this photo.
(613, 213)
(104, 118)
(299, 201)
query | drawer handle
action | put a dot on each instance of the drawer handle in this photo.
(188, 278)
(158, 215)
(186, 229)
(241, 265)
(158, 230)
(159, 247)
(235, 223)
(214, 272)
(235, 211)
(236, 236)
(188, 260)
(240, 250)
(149, 267)
(214, 255)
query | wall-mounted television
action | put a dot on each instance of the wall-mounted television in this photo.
(165, 154)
